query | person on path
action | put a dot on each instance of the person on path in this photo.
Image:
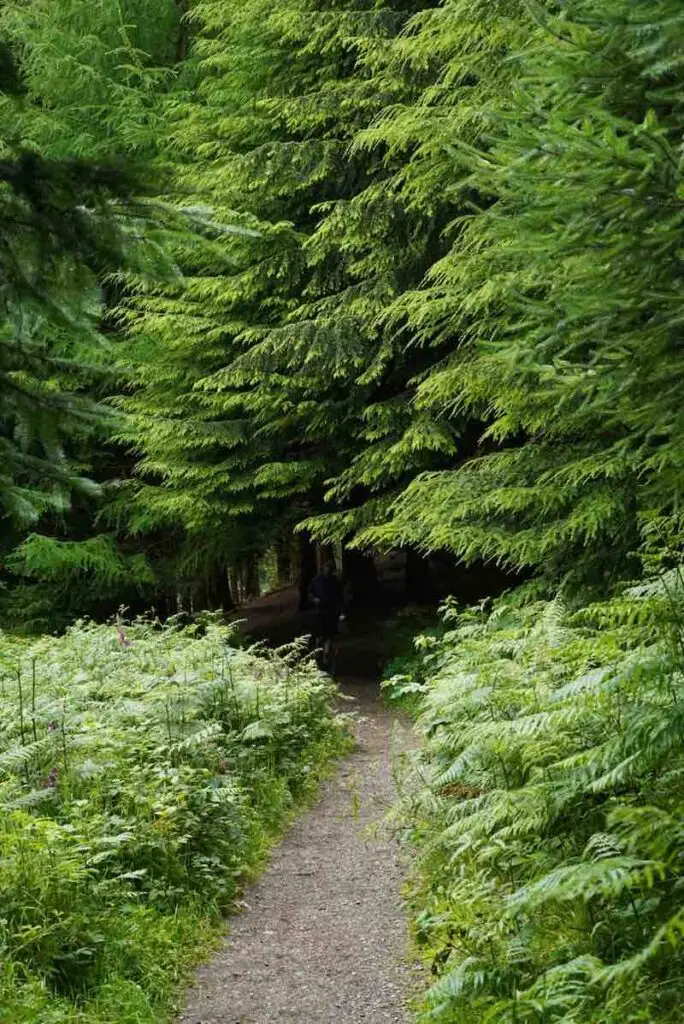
(327, 594)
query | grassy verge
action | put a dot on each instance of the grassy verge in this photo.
(143, 777)
(545, 808)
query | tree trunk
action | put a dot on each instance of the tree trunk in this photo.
(307, 570)
(183, 37)
(235, 584)
(360, 574)
(163, 604)
(418, 577)
(251, 577)
(284, 562)
(219, 597)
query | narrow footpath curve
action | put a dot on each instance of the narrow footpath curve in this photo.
(323, 938)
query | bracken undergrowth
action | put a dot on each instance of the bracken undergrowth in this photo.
(144, 773)
(546, 802)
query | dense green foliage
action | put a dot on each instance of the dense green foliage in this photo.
(438, 238)
(547, 804)
(143, 773)
(79, 208)
(256, 372)
(397, 273)
(377, 284)
(565, 294)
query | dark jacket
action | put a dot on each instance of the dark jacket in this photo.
(329, 594)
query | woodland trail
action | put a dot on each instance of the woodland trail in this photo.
(323, 938)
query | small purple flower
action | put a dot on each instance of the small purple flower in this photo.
(52, 727)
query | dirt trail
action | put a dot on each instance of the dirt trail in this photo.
(323, 938)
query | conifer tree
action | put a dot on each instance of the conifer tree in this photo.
(269, 346)
(407, 220)
(77, 109)
(560, 295)
(431, 295)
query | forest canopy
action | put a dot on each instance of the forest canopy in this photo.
(393, 274)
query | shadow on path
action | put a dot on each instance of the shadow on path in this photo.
(277, 620)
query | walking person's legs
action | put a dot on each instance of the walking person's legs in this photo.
(327, 631)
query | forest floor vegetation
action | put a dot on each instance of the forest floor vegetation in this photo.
(545, 805)
(144, 774)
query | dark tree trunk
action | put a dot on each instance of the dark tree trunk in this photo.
(307, 570)
(163, 605)
(284, 562)
(235, 584)
(418, 577)
(219, 596)
(360, 574)
(183, 37)
(252, 586)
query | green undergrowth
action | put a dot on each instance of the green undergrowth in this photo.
(404, 637)
(144, 774)
(546, 805)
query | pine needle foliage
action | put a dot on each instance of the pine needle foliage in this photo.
(60, 235)
(561, 294)
(79, 116)
(547, 803)
(431, 298)
(73, 214)
(280, 373)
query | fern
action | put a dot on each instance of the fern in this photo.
(547, 803)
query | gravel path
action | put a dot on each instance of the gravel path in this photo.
(323, 939)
